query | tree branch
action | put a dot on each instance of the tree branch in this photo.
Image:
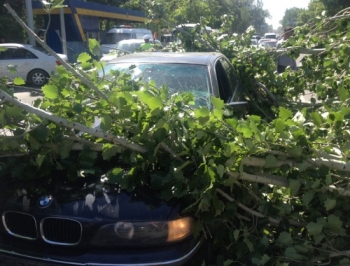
(255, 213)
(65, 123)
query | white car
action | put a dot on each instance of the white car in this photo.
(33, 64)
(129, 46)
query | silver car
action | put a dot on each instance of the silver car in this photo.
(204, 74)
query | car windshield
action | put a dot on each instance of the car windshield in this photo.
(128, 46)
(114, 37)
(270, 44)
(177, 77)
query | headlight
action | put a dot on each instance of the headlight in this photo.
(143, 233)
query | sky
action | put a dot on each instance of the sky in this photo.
(278, 7)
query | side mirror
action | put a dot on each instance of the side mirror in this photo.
(236, 109)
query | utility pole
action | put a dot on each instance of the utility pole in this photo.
(63, 32)
(30, 20)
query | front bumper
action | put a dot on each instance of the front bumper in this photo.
(188, 253)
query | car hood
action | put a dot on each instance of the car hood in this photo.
(87, 199)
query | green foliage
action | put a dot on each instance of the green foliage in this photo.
(270, 188)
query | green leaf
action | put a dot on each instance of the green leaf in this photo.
(65, 148)
(94, 47)
(83, 57)
(314, 228)
(40, 159)
(329, 204)
(279, 125)
(297, 151)
(14, 111)
(335, 224)
(284, 113)
(218, 206)
(249, 244)
(204, 204)
(343, 94)
(109, 150)
(153, 102)
(203, 115)
(228, 262)
(291, 253)
(345, 262)
(50, 91)
(271, 161)
(294, 186)
(236, 234)
(217, 103)
(316, 118)
(220, 170)
(265, 259)
(116, 176)
(285, 238)
(19, 81)
(308, 197)
(106, 123)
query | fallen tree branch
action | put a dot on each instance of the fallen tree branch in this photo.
(73, 125)
(330, 163)
(256, 213)
(267, 179)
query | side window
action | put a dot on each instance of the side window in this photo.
(16, 53)
(19, 53)
(5, 54)
(224, 84)
(228, 82)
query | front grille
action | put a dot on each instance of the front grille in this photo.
(61, 231)
(20, 225)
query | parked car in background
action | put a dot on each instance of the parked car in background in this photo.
(254, 42)
(270, 35)
(119, 33)
(129, 46)
(268, 43)
(92, 222)
(203, 74)
(33, 64)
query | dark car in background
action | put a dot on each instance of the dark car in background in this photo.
(92, 222)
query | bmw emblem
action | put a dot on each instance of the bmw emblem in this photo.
(45, 201)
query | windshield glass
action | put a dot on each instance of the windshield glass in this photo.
(115, 37)
(177, 77)
(129, 46)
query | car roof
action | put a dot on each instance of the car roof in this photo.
(200, 58)
(18, 45)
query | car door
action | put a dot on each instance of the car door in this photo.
(3, 56)
(227, 81)
(21, 58)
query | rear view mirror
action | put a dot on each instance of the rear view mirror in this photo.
(236, 109)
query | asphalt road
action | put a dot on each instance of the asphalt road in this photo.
(27, 94)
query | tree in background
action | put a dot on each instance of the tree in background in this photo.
(290, 17)
(9, 29)
(334, 6)
(315, 8)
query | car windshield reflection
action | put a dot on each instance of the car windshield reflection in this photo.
(177, 78)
